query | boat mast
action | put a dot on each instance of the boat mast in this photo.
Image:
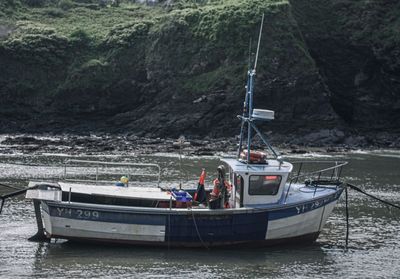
(247, 116)
(248, 103)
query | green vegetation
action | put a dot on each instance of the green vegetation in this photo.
(109, 57)
(164, 40)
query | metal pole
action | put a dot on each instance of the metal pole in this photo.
(245, 114)
(97, 173)
(250, 111)
(264, 140)
(298, 173)
(180, 162)
(259, 42)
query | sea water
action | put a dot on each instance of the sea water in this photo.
(373, 251)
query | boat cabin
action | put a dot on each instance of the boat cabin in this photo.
(257, 184)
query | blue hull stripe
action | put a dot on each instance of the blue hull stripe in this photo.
(222, 228)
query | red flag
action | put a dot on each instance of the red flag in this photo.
(200, 194)
(202, 177)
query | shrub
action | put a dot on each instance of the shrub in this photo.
(103, 3)
(80, 37)
(65, 4)
(37, 44)
(54, 12)
(35, 3)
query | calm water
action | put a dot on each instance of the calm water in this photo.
(374, 234)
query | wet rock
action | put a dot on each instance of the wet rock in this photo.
(356, 141)
(324, 137)
(298, 151)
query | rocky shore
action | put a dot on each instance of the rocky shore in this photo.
(325, 141)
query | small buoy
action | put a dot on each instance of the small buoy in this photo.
(123, 182)
(124, 179)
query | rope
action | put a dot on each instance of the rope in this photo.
(10, 186)
(197, 230)
(347, 217)
(21, 191)
(367, 194)
(169, 230)
(2, 203)
(372, 196)
(9, 195)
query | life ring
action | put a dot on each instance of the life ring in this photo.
(255, 156)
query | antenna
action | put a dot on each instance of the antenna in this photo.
(249, 53)
(259, 41)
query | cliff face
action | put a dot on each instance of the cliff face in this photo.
(355, 45)
(180, 68)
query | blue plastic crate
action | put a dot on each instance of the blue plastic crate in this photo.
(181, 196)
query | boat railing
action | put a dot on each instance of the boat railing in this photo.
(329, 175)
(100, 172)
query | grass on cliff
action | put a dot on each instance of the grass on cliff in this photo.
(95, 21)
(67, 16)
(100, 48)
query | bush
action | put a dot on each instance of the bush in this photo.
(80, 37)
(54, 12)
(35, 3)
(37, 44)
(126, 35)
(65, 4)
(103, 3)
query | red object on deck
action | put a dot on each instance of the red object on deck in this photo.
(202, 177)
(201, 185)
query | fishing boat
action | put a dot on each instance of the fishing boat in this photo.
(257, 199)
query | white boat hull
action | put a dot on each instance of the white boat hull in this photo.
(187, 227)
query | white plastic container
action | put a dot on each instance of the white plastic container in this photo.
(263, 114)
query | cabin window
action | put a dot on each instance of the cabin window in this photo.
(264, 184)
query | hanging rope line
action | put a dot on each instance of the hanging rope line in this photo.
(372, 196)
(347, 216)
(197, 231)
(13, 194)
(9, 186)
(20, 192)
(358, 189)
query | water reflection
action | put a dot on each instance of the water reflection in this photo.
(199, 263)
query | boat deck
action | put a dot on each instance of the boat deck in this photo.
(150, 193)
(299, 192)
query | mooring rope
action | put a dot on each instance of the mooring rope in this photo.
(20, 192)
(10, 186)
(358, 189)
(347, 216)
(197, 230)
(372, 196)
(13, 194)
